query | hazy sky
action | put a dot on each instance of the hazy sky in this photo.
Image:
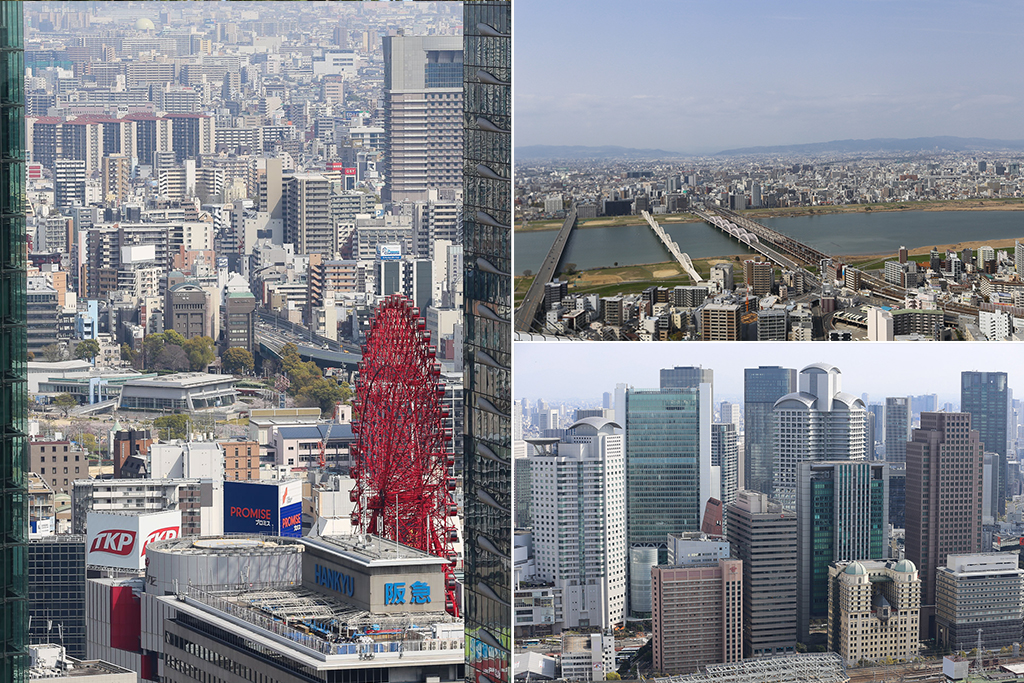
(706, 76)
(560, 371)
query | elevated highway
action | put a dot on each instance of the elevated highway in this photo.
(530, 307)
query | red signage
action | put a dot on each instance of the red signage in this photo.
(161, 535)
(113, 541)
(350, 171)
(250, 513)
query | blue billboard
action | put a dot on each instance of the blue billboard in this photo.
(250, 508)
(291, 520)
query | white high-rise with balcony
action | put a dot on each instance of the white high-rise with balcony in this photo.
(818, 422)
(579, 520)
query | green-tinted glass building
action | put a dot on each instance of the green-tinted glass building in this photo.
(842, 513)
(13, 356)
(487, 225)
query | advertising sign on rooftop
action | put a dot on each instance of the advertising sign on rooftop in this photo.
(120, 540)
(389, 252)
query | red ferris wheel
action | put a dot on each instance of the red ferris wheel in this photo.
(404, 476)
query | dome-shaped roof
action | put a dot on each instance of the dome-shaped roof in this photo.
(144, 24)
(855, 568)
(905, 566)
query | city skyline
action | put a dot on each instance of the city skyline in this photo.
(565, 372)
(700, 79)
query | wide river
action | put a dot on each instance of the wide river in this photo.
(846, 233)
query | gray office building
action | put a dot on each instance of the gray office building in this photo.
(897, 428)
(762, 387)
(686, 377)
(763, 535)
(56, 592)
(985, 396)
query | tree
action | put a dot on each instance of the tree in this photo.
(31, 356)
(612, 676)
(569, 269)
(237, 361)
(90, 442)
(174, 337)
(87, 349)
(172, 427)
(322, 392)
(199, 351)
(527, 273)
(53, 352)
(65, 402)
(171, 357)
(128, 354)
(152, 345)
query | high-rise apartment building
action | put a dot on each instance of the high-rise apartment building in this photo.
(944, 498)
(985, 396)
(305, 200)
(487, 238)
(759, 276)
(762, 387)
(763, 537)
(13, 391)
(897, 428)
(697, 615)
(725, 456)
(874, 610)
(579, 540)
(841, 510)
(979, 592)
(69, 183)
(819, 421)
(423, 117)
(720, 322)
(117, 173)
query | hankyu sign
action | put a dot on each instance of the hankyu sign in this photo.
(334, 580)
(394, 593)
(120, 540)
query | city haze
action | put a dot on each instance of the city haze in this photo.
(699, 78)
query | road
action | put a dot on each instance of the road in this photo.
(528, 310)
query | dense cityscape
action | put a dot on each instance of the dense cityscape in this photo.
(764, 284)
(802, 523)
(257, 341)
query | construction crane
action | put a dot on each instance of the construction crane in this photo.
(326, 439)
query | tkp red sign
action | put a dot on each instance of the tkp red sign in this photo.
(113, 541)
(160, 535)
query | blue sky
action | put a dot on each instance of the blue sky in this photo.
(705, 76)
(560, 371)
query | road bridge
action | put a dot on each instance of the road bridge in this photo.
(530, 307)
(673, 248)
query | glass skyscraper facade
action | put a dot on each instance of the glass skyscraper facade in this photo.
(762, 387)
(668, 462)
(13, 357)
(984, 395)
(487, 225)
(57, 592)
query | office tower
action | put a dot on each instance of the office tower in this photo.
(487, 239)
(669, 477)
(725, 456)
(13, 393)
(841, 513)
(305, 201)
(763, 537)
(730, 412)
(56, 584)
(759, 277)
(1018, 258)
(69, 183)
(681, 377)
(874, 610)
(944, 498)
(697, 615)
(897, 494)
(897, 428)
(523, 512)
(877, 410)
(818, 422)
(577, 495)
(762, 387)
(984, 591)
(985, 396)
(423, 99)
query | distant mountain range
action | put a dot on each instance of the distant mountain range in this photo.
(938, 143)
(583, 152)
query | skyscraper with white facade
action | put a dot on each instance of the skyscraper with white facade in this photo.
(579, 523)
(819, 421)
